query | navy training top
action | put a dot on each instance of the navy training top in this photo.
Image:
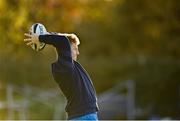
(72, 78)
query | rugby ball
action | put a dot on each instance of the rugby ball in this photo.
(40, 29)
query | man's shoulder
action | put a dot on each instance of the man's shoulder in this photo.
(62, 66)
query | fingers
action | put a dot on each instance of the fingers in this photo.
(28, 35)
(29, 43)
(27, 39)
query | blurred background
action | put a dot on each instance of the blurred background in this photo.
(130, 48)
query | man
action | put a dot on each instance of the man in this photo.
(71, 77)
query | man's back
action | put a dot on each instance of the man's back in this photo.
(77, 88)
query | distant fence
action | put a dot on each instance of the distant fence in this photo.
(111, 102)
(116, 101)
(28, 94)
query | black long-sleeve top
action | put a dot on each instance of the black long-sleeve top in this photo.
(72, 78)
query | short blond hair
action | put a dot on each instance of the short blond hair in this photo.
(72, 37)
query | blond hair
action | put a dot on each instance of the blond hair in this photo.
(72, 37)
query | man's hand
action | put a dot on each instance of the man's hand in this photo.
(32, 39)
